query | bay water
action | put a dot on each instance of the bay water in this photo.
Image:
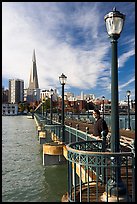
(24, 178)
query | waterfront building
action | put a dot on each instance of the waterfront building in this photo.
(5, 93)
(133, 105)
(89, 96)
(68, 96)
(25, 94)
(44, 94)
(16, 90)
(33, 91)
(47, 94)
(9, 109)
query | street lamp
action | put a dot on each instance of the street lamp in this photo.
(88, 101)
(33, 111)
(46, 98)
(103, 98)
(114, 23)
(78, 110)
(72, 110)
(51, 94)
(43, 108)
(62, 80)
(128, 95)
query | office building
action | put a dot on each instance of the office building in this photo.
(33, 91)
(16, 91)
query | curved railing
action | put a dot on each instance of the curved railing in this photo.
(95, 176)
(95, 173)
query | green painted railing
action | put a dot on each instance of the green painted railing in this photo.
(90, 169)
(91, 165)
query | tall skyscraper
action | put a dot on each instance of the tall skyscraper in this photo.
(33, 82)
(16, 90)
(33, 92)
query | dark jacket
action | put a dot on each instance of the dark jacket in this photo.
(99, 126)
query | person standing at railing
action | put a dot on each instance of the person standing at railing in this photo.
(100, 128)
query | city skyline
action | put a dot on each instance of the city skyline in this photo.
(69, 38)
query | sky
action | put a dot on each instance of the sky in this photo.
(69, 38)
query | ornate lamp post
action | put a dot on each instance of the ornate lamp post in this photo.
(72, 109)
(62, 80)
(114, 23)
(78, 110)
(43, 108)
(88, 101)
(103, 98)
(33, 111)
(46, 98)
(128, 95)
(51, 94)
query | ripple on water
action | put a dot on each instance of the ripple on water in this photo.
(24, 178)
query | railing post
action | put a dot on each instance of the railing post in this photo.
(86, 167)
(69, 180)
(70, 139)
(102, 159)
(125, 123)
(103, 142)
(77, 128)
(87, 131)
(133, 175)
(58, 132)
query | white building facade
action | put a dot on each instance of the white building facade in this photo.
(9, 109)
(16, 90)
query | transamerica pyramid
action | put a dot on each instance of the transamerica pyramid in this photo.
(33, 82)
(33, 91)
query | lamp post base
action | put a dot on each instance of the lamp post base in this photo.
(128, 129)
(116, 188)
(108, 198)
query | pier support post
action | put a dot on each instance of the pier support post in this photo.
(42, 137)
(53, 154)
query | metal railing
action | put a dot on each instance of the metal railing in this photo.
(123, 121)
(90, 169)
(91, 164)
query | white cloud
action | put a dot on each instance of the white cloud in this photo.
(48, 28)
(21, 35)
(127, 86)
(127, 83)
(124, 57)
